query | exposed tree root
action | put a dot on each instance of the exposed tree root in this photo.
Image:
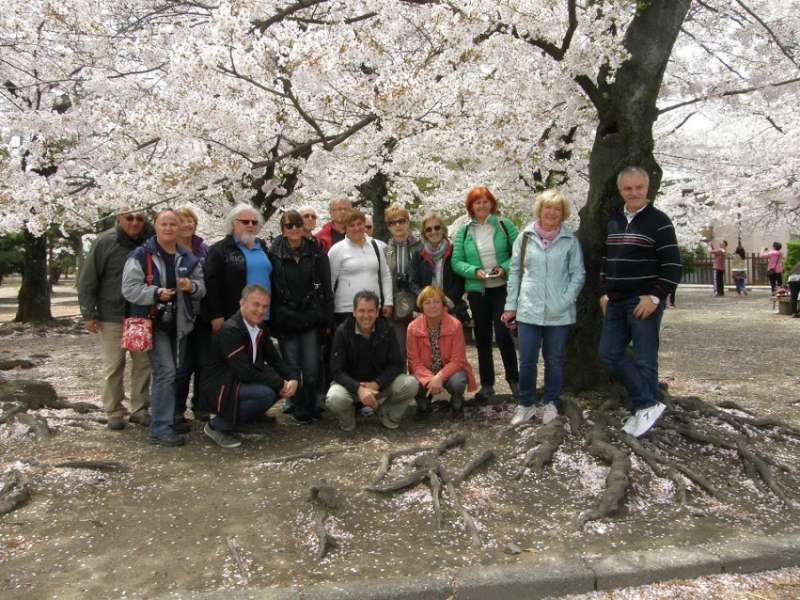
(469, 522)
(573, 413)
(323, 496)
(107, 466)
(473, 465)
(306, 455)
(436, 490)
(15, 491)
(660, 465)
(438, 449)
(756, 465)
(618, 478)
(549, 439)
(9, 410)
(233, 547)
(37, 424)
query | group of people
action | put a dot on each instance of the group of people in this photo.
(365, 326)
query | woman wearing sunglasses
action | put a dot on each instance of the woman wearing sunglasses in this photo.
(302, 308)
(431, 265)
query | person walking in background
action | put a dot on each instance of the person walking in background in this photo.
(163, 274)
(640, 266)
(334, 230)
(774, 265)
(400, 249)
(481, 254)
(432, 266)
(188, 239)
(545, 276)
(718, 256)
(103, 309)
(357, 263)
(302, 309)
(437, 355)
(739, 271)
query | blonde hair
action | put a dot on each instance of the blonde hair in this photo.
(395, 212)
(188, 213)
(353, 215)
(549, 198)
(429, 292)
(431, 216)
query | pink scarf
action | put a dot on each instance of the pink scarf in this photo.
(547, 237)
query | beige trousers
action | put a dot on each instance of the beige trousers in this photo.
(392, 402)
(114, 372)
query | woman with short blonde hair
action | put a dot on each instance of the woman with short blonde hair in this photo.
(401, 248)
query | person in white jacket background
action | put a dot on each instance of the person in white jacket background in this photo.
(358, 263)
(545, 276)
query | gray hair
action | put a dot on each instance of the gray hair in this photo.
(368, 296)
(336, 201)
(307, 208)
(253, 288)
(234, 213)
(632, 170)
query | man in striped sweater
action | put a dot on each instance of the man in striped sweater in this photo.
(640, 267)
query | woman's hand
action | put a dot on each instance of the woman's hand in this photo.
(435, 386)
(508, 316)
(185, 284)
(165, 295)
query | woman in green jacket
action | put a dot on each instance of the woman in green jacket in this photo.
(481, 253)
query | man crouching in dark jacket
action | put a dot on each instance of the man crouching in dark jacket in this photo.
(247, 374)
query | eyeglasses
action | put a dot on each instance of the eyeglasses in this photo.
(248, 221)
(310, 217)
(132, 218)
(433, 228)
(397, 222)
(367, 226)
(292, 225)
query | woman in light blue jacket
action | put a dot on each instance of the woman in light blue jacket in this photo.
(545, 276)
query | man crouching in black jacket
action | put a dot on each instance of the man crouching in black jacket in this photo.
(367, 367)
(247, 374)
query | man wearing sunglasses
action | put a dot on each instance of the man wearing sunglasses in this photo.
(333, 231)
(103, 309)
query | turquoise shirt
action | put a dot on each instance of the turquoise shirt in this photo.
(259, 268)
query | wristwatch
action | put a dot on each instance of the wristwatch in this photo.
(655, 299)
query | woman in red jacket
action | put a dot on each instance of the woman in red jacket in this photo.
(437, 356)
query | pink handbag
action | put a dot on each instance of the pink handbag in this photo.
(137, 332)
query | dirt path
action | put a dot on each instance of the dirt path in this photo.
(167, 523)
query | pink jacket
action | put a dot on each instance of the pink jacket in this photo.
(774, 260)
(718, 258)
(451, 348)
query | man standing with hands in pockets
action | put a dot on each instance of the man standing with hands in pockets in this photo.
(640, 267)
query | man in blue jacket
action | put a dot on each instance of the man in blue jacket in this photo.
(640, 268)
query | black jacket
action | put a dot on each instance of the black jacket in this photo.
(302, 298)
(355, 358)
(422, 275)
(225, 273)
(232, 365)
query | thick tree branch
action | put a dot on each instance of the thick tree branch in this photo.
(738, 92)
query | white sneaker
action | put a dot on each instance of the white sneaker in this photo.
(549, 413)
(631, 424)
(523, 414)
(647, 417)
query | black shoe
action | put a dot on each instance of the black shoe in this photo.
(171, 441)
(201, 415)
(484, 394)
(514, 385)
(181, 426)
(423, 406)
(457, 406)
(302, 417)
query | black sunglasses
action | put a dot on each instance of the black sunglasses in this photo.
(292, 225)
(309, 216)
(398, 222)
(433, 228)
(131, 218)
(248, 221)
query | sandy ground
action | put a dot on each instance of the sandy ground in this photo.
(169, 521)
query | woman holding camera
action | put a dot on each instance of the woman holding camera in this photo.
(160, 280)
(545, 276)
(481, 254)
(399, 251)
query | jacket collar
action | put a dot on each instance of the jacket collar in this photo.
(565, 231)
(448, 325)
(282, 250)
(426, 256)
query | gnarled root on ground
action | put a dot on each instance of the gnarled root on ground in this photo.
(548, 440)
(15, 491)
(324, 498)
(618, 478)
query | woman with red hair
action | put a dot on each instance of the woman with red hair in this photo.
(481, 253)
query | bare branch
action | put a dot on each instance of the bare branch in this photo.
(729, 93)
(771, 33)
(263, 24)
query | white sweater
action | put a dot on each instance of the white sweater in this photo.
(355, 268)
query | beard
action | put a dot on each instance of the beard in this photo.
(248, 239)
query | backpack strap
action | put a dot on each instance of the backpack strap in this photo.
(148, 264)
(522, 251)
(380, 279)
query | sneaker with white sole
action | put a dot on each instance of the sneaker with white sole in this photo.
(222, 439)
(549, 412)
(630, 424)
(647, 417)
(523, 414)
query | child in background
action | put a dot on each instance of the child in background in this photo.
(739, 271)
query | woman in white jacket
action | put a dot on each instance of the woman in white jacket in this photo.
(357, 263)
(545, 276)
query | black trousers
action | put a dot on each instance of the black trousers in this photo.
(775, 280)
(719, 282)
(794, 290)
(486, 309)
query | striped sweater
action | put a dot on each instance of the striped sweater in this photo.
(641, 256)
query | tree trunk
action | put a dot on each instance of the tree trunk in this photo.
(374, 193)
(34, 295)
(626, 112)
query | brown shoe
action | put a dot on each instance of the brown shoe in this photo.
(140, 417)
(115, 423)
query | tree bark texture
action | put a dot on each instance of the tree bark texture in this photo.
(34, 295)
(626, 111)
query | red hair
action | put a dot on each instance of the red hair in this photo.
(476, 194)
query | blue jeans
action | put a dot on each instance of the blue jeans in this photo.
(165, 354)
(552, 339)
(254, 400)
(640, 375)
(302, 351)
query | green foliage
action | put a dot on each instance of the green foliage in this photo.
(690, 257)
(11, 255)
(792, 255)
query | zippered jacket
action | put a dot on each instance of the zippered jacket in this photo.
(466, 259)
